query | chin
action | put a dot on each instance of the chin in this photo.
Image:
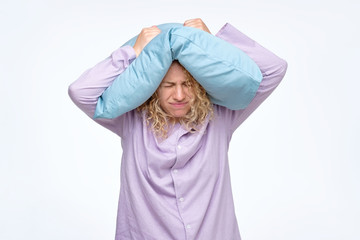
(178, 114)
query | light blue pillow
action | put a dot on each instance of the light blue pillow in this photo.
(230, 77)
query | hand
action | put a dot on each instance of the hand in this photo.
(145, 36)
(197, 23)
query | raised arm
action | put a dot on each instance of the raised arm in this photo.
(271, 66)
(86, 90)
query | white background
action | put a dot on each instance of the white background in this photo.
(294, 162)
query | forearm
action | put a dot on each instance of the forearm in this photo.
(271, 66)
(86, 90)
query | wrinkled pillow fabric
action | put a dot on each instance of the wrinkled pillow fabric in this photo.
(230, 77)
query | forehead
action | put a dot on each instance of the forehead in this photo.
(175, 73)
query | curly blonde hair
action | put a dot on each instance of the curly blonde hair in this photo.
(161, 122)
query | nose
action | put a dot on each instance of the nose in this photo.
(179, 94)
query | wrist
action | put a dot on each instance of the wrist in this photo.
(137, 51)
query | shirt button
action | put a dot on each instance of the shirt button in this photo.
(175, 171)
(181, 199)
(188, 226)
(179, 147)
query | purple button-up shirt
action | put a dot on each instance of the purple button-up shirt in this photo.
(178, 188)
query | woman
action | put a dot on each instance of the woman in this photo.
(175, 181)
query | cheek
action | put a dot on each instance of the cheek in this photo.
(191, 93)
(164, 93)
(160, 95)
(163, 97)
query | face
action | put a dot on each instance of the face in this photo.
(174, 94)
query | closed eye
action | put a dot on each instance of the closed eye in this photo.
(168, 84)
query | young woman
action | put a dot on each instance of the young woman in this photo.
(175, 181)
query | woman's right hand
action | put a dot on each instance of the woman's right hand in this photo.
(145, 36)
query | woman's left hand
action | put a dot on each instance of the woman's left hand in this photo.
(197, 23)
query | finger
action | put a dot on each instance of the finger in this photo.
(150, 31)
(193, 25)
(150, 28)
(192, 21)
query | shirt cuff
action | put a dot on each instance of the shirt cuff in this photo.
(125, 53)
(232, 35)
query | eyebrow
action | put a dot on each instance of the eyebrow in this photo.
(173, 82)
(168, 83)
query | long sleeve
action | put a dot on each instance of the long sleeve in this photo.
(86, 90)
(271, 66)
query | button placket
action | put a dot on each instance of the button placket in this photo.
(181, 199)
